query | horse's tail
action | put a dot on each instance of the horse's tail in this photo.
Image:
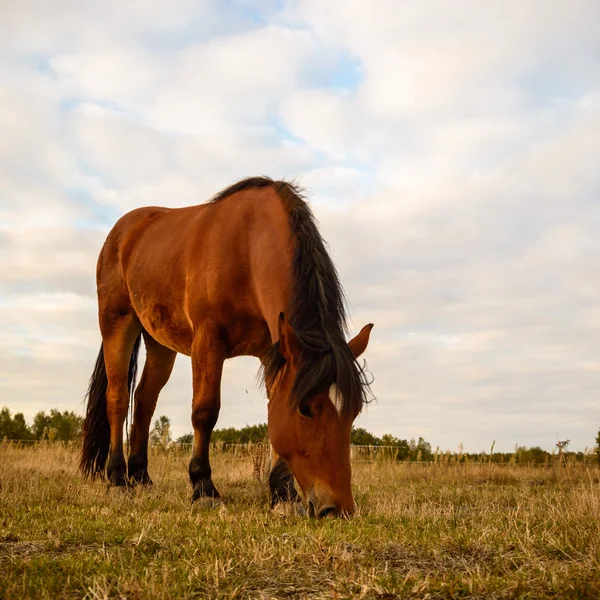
(96, 428)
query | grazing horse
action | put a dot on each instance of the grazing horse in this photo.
(245, 274)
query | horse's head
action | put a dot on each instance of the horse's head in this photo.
(313, 434)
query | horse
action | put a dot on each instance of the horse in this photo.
(246, 273)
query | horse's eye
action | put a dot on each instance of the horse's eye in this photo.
(304, 410)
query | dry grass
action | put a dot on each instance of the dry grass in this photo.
(476, 531)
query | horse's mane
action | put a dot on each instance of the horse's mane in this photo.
(317, 310)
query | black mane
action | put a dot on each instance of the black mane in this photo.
(317, 310)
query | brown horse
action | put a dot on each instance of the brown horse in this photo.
(214, 281)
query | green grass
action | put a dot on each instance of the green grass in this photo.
(476, 531)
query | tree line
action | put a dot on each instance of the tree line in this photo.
(62, 426)
(407, 450)
(67, 426)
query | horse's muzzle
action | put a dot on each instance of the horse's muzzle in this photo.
(324, 507)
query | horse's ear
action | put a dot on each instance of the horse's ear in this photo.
(288, 341)
(359, 343)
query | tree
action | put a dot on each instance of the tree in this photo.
(533, 455)
(64, 426)
(254, 434)
(424, 449)
(20, 429)
(361, 437)
(598, 446)
(394, 442)
(188, 438)
(5, 424)
(420, 450)
(68, 425)
(248, 434)
(13, 428)
(41, 423)
(161, 432)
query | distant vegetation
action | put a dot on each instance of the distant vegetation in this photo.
(61, 426)
(405, 450)
(230, 435)
(68, 426)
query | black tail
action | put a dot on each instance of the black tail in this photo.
(96, 428)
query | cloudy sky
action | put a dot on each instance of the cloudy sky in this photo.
(451, 151)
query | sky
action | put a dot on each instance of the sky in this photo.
(450, 150)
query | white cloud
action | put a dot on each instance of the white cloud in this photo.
(454, 177)
(325, 119)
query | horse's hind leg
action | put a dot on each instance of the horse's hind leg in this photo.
(157, 370)
(119, 336)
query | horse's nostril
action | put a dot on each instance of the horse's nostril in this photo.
(312, 508)
(328, 510)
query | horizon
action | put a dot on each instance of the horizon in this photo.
(459, 449)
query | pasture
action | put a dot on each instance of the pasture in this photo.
(421, 531)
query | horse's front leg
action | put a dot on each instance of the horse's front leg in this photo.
(281, 481)
(208, 355)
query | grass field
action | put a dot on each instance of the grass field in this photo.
(476, 531)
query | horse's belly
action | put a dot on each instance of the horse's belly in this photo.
(246, 336)
(168, 327)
